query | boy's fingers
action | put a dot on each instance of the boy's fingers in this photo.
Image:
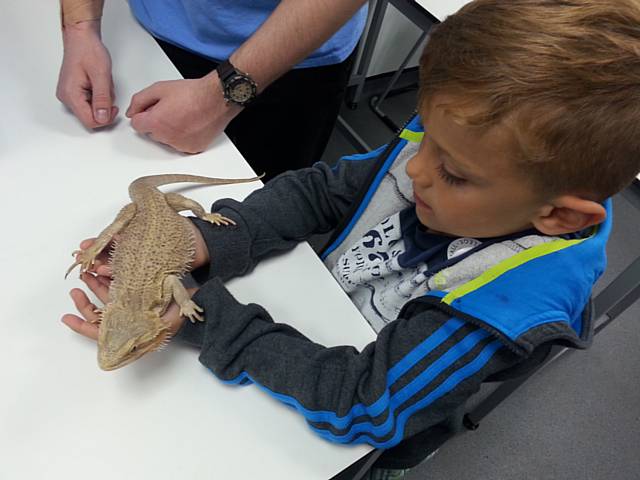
(100, 266)
(87, 242)
(84, 244)
(104, 273)
(104, 280)
(78, 325)
(98, 288)
(84, 306)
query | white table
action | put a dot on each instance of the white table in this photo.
(165, 416)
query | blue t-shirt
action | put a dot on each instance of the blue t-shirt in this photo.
(216, 28)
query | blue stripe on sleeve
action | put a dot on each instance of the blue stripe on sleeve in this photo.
(385, 401)
(423, 349)
(414, 387)
(380, 405)
(445, 387)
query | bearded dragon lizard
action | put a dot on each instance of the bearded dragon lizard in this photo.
(154, 249)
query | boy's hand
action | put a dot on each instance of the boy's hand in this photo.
(102, 270)
(101, 266)
(86, 323)
(201, 256)
(98, 280)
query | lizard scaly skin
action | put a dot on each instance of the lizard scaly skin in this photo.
(155, 248)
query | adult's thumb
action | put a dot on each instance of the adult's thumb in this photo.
(101, 99)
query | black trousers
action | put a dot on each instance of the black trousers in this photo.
(289, 124)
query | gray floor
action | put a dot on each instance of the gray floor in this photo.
(578, 418)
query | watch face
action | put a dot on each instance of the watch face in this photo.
(241, 89)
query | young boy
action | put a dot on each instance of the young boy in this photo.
(466, 245)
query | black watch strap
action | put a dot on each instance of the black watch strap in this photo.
(225, 70)
(237, 87)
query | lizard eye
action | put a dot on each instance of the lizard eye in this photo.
(133, 349)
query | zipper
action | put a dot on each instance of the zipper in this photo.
(372, 175)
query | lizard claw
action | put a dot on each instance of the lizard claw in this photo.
(85, 258)
(190, 310)
(71, 268)
(218, 219)
(76, 263)
(98, 311)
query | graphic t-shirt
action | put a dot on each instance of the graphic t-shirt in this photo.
(391, 263)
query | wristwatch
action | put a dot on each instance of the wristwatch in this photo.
(237, 87)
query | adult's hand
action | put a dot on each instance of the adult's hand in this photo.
(184, 114)
(85, 85)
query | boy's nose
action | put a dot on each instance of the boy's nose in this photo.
(418, 170)
(410, 167)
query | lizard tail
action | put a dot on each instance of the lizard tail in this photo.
(158, 180)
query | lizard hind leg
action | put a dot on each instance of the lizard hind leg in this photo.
(86, 258)
(188, 308)
(179, 203)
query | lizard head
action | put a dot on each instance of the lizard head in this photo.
(125, 336)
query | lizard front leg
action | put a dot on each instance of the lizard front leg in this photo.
(173, 287)
(179, 203)
(87, 257)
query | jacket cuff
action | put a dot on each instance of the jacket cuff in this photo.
(229, 247)
(214, 297)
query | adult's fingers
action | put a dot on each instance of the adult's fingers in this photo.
(144, 99)
(80, 105)
(101, 96)
(150, 124)
(142, 122)
(77, 324)
(83, 110)
(114, 114)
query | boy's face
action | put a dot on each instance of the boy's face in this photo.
(465, 183)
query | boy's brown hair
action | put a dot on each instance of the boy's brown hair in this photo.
(563, 75)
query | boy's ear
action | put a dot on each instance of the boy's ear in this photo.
(568, 214)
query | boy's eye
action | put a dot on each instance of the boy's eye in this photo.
(447, 177)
